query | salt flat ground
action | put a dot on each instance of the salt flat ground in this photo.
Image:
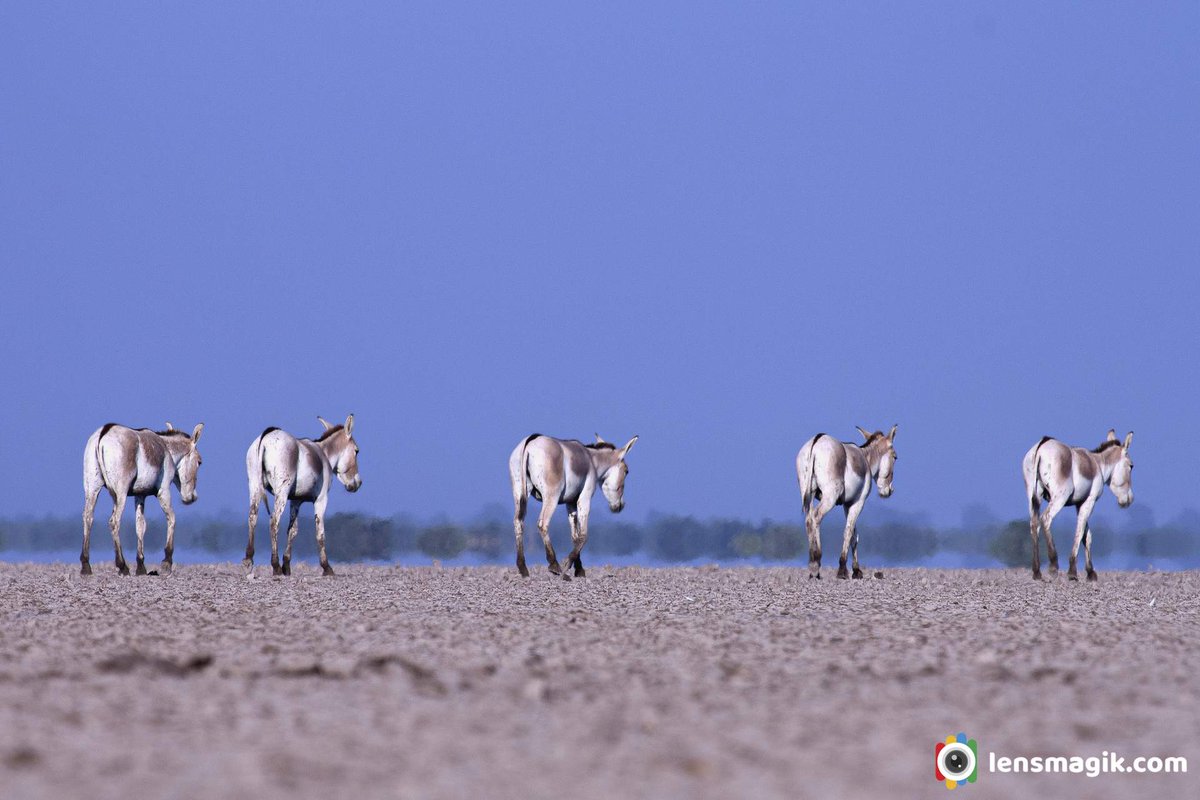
(680, 682)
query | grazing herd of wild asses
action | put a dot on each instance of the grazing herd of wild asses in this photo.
(139, 463)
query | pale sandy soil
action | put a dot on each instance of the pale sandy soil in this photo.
(632, 683)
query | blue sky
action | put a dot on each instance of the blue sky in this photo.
(722, 227)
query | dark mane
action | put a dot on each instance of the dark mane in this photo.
(1107, 444)
(329, 432)
(174, 432)
(874, 437)
(600, 446)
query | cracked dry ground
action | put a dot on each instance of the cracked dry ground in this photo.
(681, 682)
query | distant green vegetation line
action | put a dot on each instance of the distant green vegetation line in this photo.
(664, 538)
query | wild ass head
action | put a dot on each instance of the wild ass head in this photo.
(342, 452)
(881, 453)
(187, 459)
(612, 469)
(1114, 454)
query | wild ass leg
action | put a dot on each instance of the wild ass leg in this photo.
(1057, 503)
(319, 506)
(89, 516)
(293, 527)
(255, 499)
(582, 524)
(578, 519)
(549, 503)
(1081, 521)
(276, 514)
(852, 512)
(139, 524)
(1034, 529)
(856, 573)
(114, 527)
(168, 562)
(572, 523)
(813, 528)
(1087, 545)
(520, 502)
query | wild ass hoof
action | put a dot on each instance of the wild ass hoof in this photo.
(276, 569)
(248, 565)
(1092, 576)
(857, 574)
(553, 567)
(843, 573)
(286, 569)
(814, 576)
(141, 568)
(579, 573)
(566, 577)
(122, 569)
(85, 568)
(166, 568)
(524, 570)
(1054, 570)
(327, 570)
(1037, 576)
(1072, 576)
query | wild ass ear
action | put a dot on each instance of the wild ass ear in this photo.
(170, 427)
(624, 451)
(1128, 439)
(349, 424)
(600, 440)
(892, 434)
(1112, 435)
(865, 435)
(196, 432)
(323, 422)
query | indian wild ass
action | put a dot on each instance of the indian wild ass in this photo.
(298, 471)
(565, 471)
(141, 463)
(1073, 476)
(838, 473)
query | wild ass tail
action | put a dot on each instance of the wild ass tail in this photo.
(1033, 472)
(523, 466)
(520, 480)
(807, 467)
(99, 458)
(260, 465)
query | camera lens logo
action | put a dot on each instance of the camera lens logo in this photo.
(954, 761)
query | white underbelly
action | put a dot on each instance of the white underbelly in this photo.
(307, 487)
(572, 488)
(854, 488)
(1081, 489)
(145, 484)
